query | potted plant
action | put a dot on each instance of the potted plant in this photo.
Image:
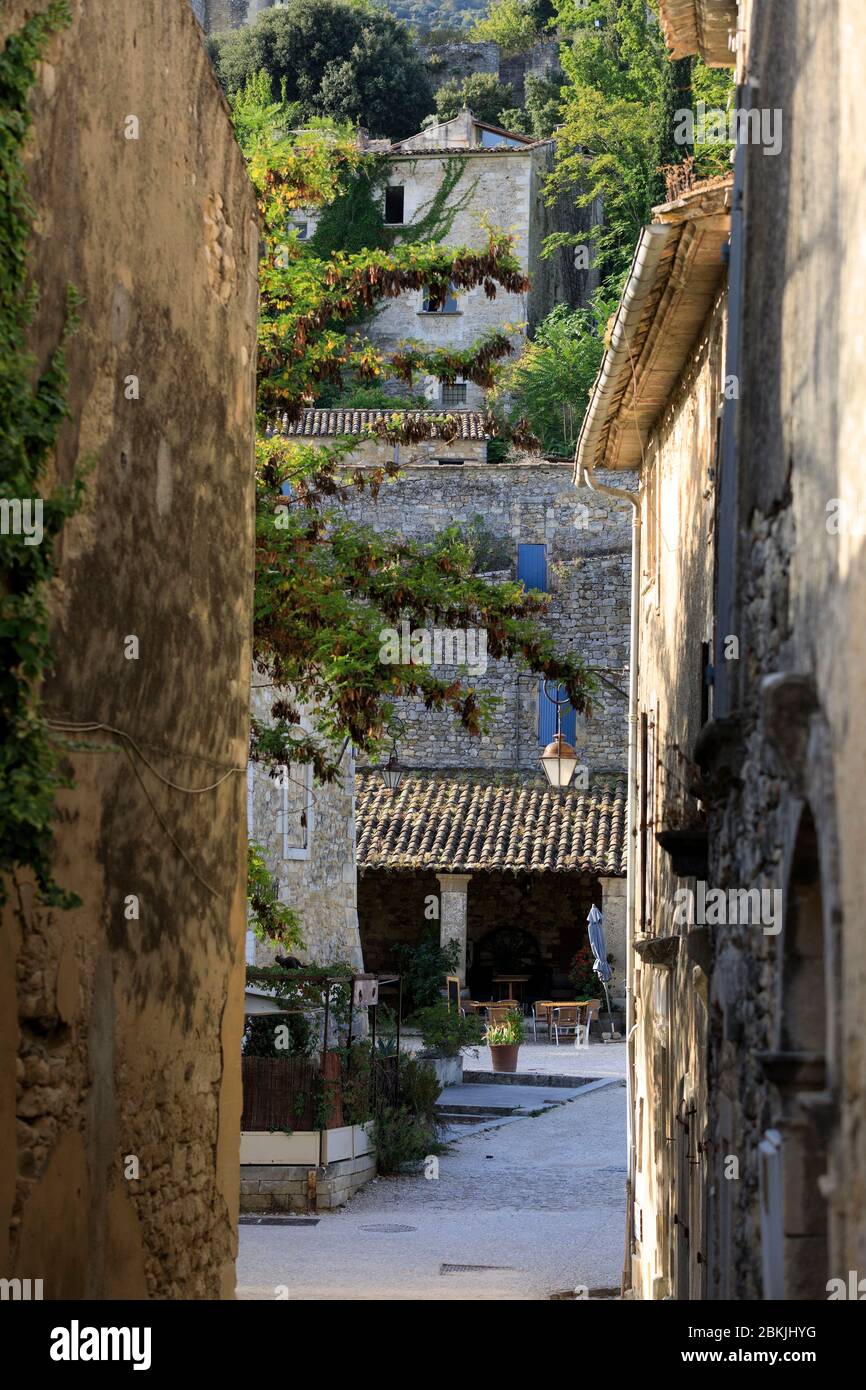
(504, 1041)
(445, 1033)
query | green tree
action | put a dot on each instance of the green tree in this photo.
(334, 58)
(541, 111)
(619, 108)
(549, 383)
(513, 24)
(326, 587)
(482, 92)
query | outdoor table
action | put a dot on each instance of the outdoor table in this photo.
(519, 980)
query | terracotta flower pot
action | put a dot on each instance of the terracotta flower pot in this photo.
(504, 1056)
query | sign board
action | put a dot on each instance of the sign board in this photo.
(365, 991)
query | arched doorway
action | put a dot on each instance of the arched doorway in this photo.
(506, 950)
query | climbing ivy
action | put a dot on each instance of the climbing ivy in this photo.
(438, 218)
(354, 220)
(31, 410)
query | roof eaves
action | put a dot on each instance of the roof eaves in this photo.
(700, 27)
(674, 275)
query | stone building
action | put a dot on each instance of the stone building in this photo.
(734, 383)
(474, 822)
(307, 830)
(467, 173)
(655, 408)
(122, 1018)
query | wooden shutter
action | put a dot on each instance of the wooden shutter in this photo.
(547, 718)
(532, 566)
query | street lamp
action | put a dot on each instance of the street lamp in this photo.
(392, 772)
(558, 759)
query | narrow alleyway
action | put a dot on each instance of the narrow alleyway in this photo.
(538, 1201)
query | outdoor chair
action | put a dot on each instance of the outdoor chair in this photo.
(564, 1020)
(591, 1010)
(541, 1017)
(498, 1013)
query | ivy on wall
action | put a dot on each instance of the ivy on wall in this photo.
(354, 221)
(32, 407)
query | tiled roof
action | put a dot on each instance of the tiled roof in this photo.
(451, 825)
(326, 423)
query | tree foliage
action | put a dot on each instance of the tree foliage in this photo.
(513, 24)
(333, 58)
(618, 116)
(326, 587)
(482, 92)
(32, 410)
(549, 384)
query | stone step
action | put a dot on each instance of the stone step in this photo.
(523, 1078)
(452, 1110)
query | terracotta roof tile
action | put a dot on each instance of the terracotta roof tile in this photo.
(454, 825)
(327, 423)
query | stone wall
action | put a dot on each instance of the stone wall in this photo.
(588, 539)
(123, 1017)
(447, 62)
(793, 818)
(308, 833)
(286, 1187)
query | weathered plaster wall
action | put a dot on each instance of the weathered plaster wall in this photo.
(127, 1030)
(308, 833)
(588, 539)
(677, 512)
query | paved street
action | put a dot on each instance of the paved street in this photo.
(542, 1198)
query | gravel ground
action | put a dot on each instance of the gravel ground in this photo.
(543, 1197)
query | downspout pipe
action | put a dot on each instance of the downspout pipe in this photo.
(588, 479)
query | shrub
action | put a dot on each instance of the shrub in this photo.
(400, 1138)
(424, 968)
(445, 1032)
(419, 1089)
(260, 1036)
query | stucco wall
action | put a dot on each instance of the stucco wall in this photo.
(588, 539)
(677, 512)
(127, 1030)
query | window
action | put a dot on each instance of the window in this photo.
(302, 229)
(448, 305)
(450, 463)
(647, 817)
(296, 810)
(394, 204)
(454, 394)
(532, 566)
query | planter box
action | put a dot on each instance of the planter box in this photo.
(449, 1070)
(302, 1147)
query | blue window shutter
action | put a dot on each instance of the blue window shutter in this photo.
(532, 566)
(547, 718)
